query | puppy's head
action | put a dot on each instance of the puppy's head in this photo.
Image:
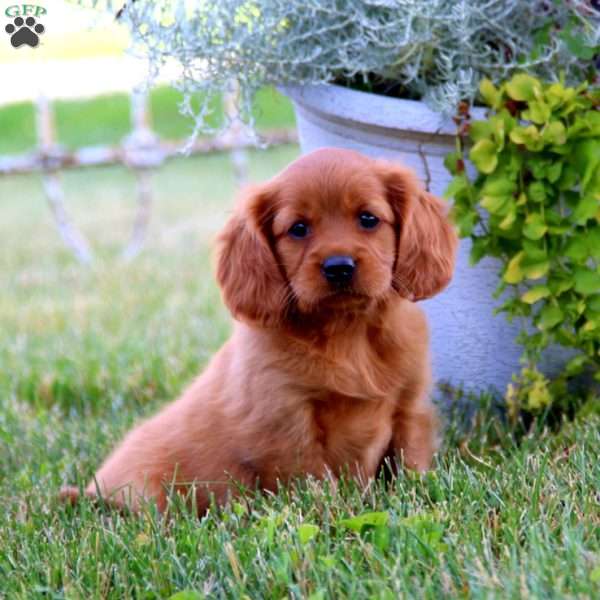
(335, 230)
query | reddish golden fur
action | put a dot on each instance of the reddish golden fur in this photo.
(312, 381)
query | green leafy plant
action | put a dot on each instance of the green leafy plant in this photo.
(534, 204)
(435, 50)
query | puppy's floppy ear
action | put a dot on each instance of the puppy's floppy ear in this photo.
(427, 241)
(253, 285)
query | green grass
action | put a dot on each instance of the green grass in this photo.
(17, 128)
(106, 119)
(84, 352)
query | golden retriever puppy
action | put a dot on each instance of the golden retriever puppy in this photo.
(327, 368)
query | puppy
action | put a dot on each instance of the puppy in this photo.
(327, 369)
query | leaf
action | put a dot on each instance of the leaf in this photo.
(586, 209)
(577, 46)
(592, 122)
(186, 595)
(498, 126)
(536, 192)
(508, 121)
(381, 537)
(328, 560)
(586, 281)
(484, 156)
(557, 94)
(535, 293)
(575, 365)
(458, 184)
(535, 263)
(307, 532)
(555, 133)
(508, 220)
(586, 160)
(525, 135)
(427, 530)
(489, 93)
(239, 509)
(478, 250)
(371, 519)
(568, 178)
(465, 222)
(590, 325)
(497, 185)
(513, 273)
(534, 252)
(593, 239)
(554, 172)
(577, 249)
(451, 162)
(269, 523)
(594, 303)
(559, 229)
(535, 270)
(495, 204)
(538, 167)
(538, 112)
(534, 227)
(538, 396)
(574, 304)
(549, 317)
(480, 130)
(523, 87)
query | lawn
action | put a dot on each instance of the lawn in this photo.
(107, 119)
(85, 351)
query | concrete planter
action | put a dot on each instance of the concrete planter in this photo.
(471, 347)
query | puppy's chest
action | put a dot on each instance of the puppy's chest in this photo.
(356, 368)
(351, 432)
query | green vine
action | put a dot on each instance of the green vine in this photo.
(534, 204)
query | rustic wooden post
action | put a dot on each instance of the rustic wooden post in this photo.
(50, 160)
(235, 135)
(142, 153)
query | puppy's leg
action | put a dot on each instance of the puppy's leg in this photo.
(415, 432)
(71, 496)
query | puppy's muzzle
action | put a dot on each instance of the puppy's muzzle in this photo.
(338, 270)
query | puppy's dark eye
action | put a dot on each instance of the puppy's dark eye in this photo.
(367, 220)
(299, 230)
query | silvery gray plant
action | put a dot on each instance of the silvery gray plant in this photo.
(435, 50)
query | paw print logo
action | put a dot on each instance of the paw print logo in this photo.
(24, 31)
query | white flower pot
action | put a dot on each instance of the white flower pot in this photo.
(472, 348)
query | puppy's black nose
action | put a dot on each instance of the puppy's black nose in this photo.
(338, 270)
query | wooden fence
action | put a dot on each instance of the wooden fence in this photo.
(142, 151)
